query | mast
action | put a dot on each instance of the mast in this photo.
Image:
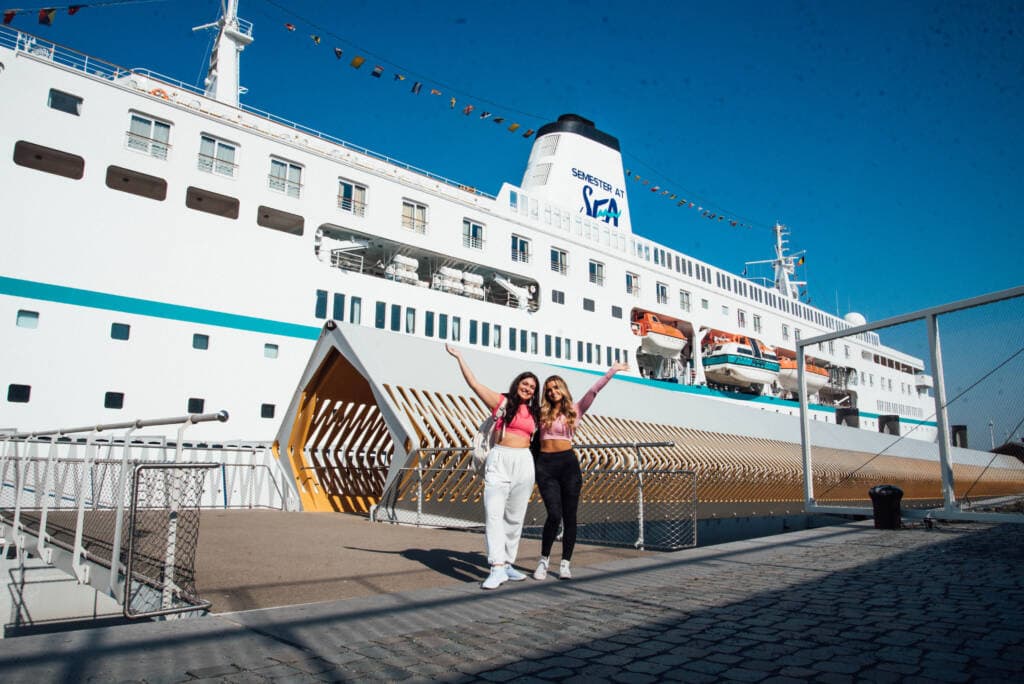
(233, 35)
(784, 266)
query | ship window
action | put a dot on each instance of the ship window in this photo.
(27, 319)
(456, 328)
(757, 323)
(522, 340)
(520, 249)
(65, 102)
(321, 304)
(19, 394)
(217, 156)
(285, 176)
(618, 355)
(267, 410)
(533, 343)
(211, 202)
(113, 400)
(596, 272)
(472, 234)
(725, 309)
(410, 320)
(196, 405)
(472, 331)
(579, 350)
(442, 326)
(149, 136)
(270, 351)
(547, 345)
(558, 347)
(200, 341)
(485, 334)
(120, 331)
(429, 326)
(558, 297)
(351, 197)
(633, 284)
(588, 304)
(396, 317)
(49, 160)
(661, 291)
(512, 339)
(380, 320)
(684, 300)
(414, 216)
(356, 311)
(608, 355)
(785, 331)
(280, 220)
(338, 311)
(136, 183)
(616, 312)
(590, 352)
(741, 318)
(559, 261)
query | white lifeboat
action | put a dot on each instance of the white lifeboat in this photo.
(815, 376)
(739, 361)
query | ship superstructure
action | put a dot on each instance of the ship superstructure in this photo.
(167, 250)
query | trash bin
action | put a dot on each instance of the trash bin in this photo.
(885, 499)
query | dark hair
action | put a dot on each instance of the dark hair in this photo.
(514, 401)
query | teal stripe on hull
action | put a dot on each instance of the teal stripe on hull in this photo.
(144, 307)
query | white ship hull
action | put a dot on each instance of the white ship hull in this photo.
(220, 285)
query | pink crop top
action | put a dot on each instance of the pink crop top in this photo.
(559, 427)
(522, 423)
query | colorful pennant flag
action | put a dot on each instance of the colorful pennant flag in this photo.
(9, 16)
(484, 115)
(528, 133)
(435, 91)
(316, 38)
(357, 61)
(800, 261)
(467, 109)
(451, 103)
(513, 128)
(73, 9)
(416, 88)
(377, 71)
(337, 52)
(290, 27)
(499, 119)
(399, 77)
(46, 16)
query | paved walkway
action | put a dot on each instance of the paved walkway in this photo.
(837, 604)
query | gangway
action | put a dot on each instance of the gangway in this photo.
(116, 518)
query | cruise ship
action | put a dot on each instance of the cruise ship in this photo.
(168, 250)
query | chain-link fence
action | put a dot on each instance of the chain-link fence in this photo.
(651, 509)
(163, 535)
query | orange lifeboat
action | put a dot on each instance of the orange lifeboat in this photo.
(657, 338)
(815, 376)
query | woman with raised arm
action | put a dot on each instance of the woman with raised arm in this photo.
(508, 474)
(558, 470)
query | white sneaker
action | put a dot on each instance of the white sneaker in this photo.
(563, 570)
(542, 569)
(513, 574)
(497, 577)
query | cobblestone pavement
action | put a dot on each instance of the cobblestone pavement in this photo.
(838, 604)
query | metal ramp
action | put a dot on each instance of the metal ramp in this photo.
(81, 527)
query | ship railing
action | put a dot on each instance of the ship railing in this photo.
(121, 513)
(635, 506)
(151, 146)
(66, 57)
(210, 164)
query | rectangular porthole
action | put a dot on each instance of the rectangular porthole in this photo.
(113, 400)
(136, 183)
(27, 319)
(211, 202)
(120, 331)
(270, 351)
(19, 394)
(49, 160)
(200, 341)
(196, 405)
(266, 411)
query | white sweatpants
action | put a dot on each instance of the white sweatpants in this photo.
(508, 482)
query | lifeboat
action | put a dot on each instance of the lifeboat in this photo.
(739, 361)
(815, 376)
(657, 338)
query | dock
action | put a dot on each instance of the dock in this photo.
(845, 603)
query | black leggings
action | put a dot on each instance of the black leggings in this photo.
(559, 481)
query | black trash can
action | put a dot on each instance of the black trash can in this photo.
(885, 499)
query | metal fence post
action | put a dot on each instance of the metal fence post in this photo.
(639, 497)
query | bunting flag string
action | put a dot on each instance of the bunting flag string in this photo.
(682, 202)
(46, 15)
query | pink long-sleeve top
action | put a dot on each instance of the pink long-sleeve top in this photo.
(559, 427)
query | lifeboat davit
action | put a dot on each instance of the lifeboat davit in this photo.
(739, 361)
(657, 338)
(815, 376)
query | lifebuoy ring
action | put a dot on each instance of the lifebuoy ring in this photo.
(159, 92)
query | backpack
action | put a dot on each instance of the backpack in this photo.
(485, 438)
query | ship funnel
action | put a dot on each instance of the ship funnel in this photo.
(575, 165)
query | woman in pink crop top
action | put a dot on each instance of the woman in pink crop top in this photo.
(558, 470)
(508, 475)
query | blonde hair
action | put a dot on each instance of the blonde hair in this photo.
(549, 412)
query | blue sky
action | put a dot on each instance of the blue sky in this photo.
(887, 136)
